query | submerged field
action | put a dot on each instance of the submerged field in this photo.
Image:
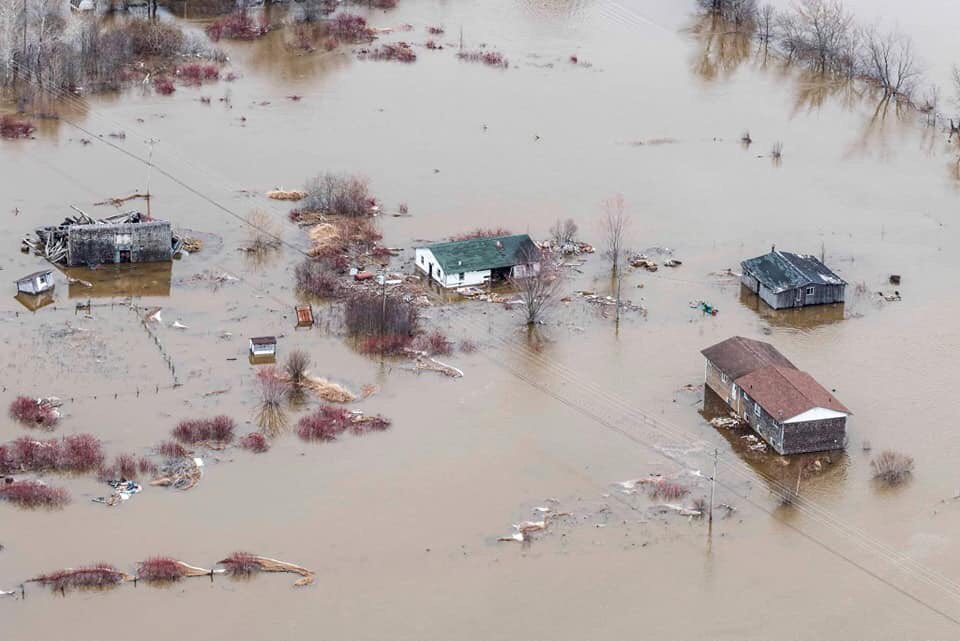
(401, 527)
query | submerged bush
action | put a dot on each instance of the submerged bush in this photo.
(255, 442)
(892, 467)
(218, 429)
(480, 232)
(160, 569)
(315, 277)
(74, 453)
(238, 26)
(241, 564)
(31, 412)
(11, 127)
(368, 314)
(325, 424)
(100, 575)
(33, 494)
(433, 343)
(338, 194)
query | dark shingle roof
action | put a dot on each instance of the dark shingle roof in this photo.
(478, 254)
(785, 392)
(738, 356)
(781, 271)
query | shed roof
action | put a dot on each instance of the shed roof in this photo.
(478, 254)
(786, 392)
(264, 340)
(738, 356)
(781, 271)
(42, 272)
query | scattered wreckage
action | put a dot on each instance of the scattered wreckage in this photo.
(82, 240)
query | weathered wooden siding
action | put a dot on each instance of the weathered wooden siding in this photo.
(822, 295)
(750, 282)
(102, 244)
(762, 423)
(722, 386)
(814, 436)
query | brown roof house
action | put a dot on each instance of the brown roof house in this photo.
(787, 407)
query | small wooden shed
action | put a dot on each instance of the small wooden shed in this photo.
(783, 279)
(36, 283)
(790, 410)
(263, 346)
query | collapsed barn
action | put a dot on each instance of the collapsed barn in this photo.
(83, 241)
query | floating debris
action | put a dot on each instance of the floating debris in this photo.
(244, 564)
(181, 473)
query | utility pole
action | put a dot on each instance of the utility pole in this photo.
(151, 142)
(461, 40)
(713, 483)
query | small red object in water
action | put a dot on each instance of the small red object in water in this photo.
(363, 276)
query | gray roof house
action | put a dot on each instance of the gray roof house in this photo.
(783, 279)
(478, 261)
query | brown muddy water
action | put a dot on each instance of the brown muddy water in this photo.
(401, 526)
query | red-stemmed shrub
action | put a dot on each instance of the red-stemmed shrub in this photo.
(325, 424)
(218, 430)
(32, 412)
(74, 453)
(241, 564)
(163, 85)
(668, 490)
(238, 26)
(196, 72)
(255, 442)
(369, 424)
(33, 494)
(489, 58)
(391, 344)
(160, 569)
(468, 346)
(100, 575)
(435, 30)
(434, 342)
(12, 127)
(170, 449)
(398, 51)
(350, 27)
(80, 453)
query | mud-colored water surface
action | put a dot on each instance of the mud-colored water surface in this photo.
(401, 527)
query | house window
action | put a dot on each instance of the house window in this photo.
(462, 274)
(423, 260)
(723, 377)
(756, 410)
(810, 291)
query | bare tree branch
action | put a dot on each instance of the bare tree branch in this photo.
(615, 224)
(537, 280)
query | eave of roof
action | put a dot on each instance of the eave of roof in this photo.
(479, 254)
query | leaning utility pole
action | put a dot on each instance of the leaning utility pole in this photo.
(151, 142)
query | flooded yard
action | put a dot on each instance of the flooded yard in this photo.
(401, 527)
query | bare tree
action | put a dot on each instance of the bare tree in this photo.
(819, 33)
(537, 280)
(615, 224)
(888, 61)
(740, 13)
(766, 23)
(563, 232)
(264, 232)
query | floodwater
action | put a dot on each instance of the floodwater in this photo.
(401, 526)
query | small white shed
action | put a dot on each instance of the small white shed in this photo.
(36, 283)
(263, 346)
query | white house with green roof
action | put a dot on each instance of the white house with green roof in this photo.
(478, 261)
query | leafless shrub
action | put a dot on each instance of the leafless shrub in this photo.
(368, 314)
(745, 138)
(255, 442)
(217, 430)
(273, 390)
(615, 225)
(468, 346)
(736, 12)
(434, 342)
(170, 449)
(33, 494)
(161, 569)
(317, 278)
(563, 232)
(766, 23)
(489, 58)
(296, 365)
(482, 232)
(538, 281)
(892, 468)
(667, 490)
(264, 232)
(700, 506)
(338, 194)
(776, 151)
(98, 576)
(241, 564)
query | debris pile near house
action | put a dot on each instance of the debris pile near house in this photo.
(644, 261)
(180, 473)
(572, 248)
(122, 491)
(728, 422)
(609, 301)
(82, 240)
(285, 194)
(525, 530)
(704, 307)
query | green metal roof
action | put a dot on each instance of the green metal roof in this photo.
(479, 254)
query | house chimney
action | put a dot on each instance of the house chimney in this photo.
(773, 248)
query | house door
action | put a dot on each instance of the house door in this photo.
(430, 272)
(124, 256)
(800, 296)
